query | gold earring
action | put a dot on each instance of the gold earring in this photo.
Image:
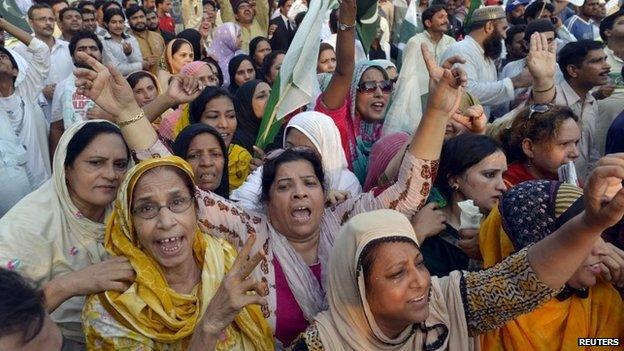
(455, 187)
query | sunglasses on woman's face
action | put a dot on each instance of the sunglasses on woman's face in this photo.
(370, 87)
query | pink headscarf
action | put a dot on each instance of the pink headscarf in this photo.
(382, 152)
(223, 47)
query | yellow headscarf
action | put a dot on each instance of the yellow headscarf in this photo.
(150, 306)
(526, 214)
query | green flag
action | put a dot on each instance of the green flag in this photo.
(12, 13)
(367, 22)
(296, 84)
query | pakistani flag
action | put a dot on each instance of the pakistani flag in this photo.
(12, 13)
(412, 25)
(296, 84)
(367, 22)
(474, 4)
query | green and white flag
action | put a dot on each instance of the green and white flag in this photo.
(412, 25)
(296, 84)
(367, 22)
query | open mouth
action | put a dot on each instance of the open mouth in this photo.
(301, 214)
(171, 245)
(418, 301)
(207, 177)
(378, 106)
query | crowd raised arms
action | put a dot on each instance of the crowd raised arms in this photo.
(296, 175)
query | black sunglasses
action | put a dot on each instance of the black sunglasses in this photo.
(370, 87)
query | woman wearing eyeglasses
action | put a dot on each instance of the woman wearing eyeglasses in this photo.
(190, 291)
(355, 99)
(296, 232)
(541, 139)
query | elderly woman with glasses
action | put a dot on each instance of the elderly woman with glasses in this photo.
(541, 139)
(296, 232)
(190, 291)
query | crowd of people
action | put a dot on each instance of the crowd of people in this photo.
(455, 183)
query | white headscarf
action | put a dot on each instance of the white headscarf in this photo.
(45, 235)
(323, 133)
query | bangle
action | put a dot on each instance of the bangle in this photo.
(132, 120)
(545, 90)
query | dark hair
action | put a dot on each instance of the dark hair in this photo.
(10, 55)
(54, 2)
(574, 53)
(268, 62)
(534, 9)
(194, 37)
(125, 2)
(198, 106)
(253, 45)
(430, 12)
(460, 153)
(110, 3)
(183, 142)
(248, 124)
(85, 136)
(269, 170)
(512, 31)
(21, 306)
(367, 256)
(233, 66)
(325, 46)
(110, 13)
(83, 34)
(87, 10)
(540, 127)
(209, 2)
(84, 3)
(132, 10)
(177, 44)
(333, 21)
(98, 3)
(541, 25)
(35, 7)
(65, 10)
(607, 23)
(159, 2)
(134, 78)
(299, 18)
(215, 65)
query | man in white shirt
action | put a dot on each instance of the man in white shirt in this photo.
(481, 48)
(20, 86)
(70, 107)
(41, 20)
(413, 84)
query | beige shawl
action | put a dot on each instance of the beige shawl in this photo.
(349, 323)
(45, 236)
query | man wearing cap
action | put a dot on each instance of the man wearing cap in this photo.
(252, 23)
(481, 48)
(20, 86)
(542, 10)
(582, 25)
(515, 11)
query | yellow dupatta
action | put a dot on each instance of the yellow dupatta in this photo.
(150, 306)
(556, 325)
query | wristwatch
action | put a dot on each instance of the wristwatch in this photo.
(343, 27)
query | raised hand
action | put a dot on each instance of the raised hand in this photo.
(469, 243)
(613, 265)
(446, 83)
(127, 48)
(542, 58)
(604, 209)
(105, 86)
(258, 159)
(236, 291)
(184, 89)
(335, 197)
